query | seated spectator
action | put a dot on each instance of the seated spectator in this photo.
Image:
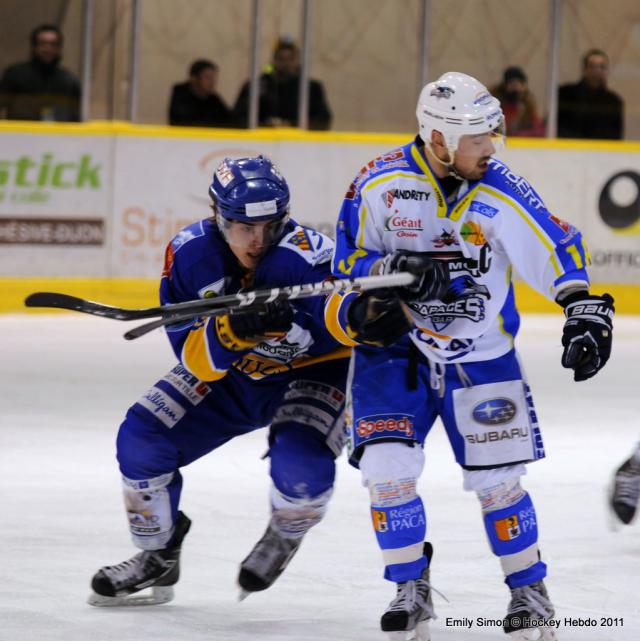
(518, 104)
(279, 91)
(196, 103)
(587, 109)
(40, 89)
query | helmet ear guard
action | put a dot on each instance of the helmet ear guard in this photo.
(457, 105)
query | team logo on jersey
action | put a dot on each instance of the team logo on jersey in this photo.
(472, 233)
(442, 92)
(300, 240)
(509, 528)
(464, 299)
(445, 239)
(495, 411)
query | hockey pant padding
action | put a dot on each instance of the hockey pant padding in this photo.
(302, 465)
(390, 471)
(511, 525)
(152, 507)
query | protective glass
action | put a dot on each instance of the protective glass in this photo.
(258, 234)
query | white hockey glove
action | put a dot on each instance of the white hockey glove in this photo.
(587, 333)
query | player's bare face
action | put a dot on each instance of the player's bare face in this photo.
(250, 241)
(473, 154)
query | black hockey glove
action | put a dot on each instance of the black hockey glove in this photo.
(432, 276)
(587, 333)
(376, 317)
(243, 329)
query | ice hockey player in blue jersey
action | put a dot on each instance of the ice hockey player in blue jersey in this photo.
(274, 365)
(443, 208)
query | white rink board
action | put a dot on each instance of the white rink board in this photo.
(66, 382)
(151, 186)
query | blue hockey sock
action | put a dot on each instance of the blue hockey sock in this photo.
(400, 530)
(513, 535)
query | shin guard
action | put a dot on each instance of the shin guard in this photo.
(513, 535)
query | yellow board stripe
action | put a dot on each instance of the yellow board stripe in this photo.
(283, 134)
(141, 292)
(543, 239)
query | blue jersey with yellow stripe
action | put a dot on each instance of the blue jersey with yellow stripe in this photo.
(492, 227)
(199, 264)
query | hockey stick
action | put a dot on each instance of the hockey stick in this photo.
(182, 311)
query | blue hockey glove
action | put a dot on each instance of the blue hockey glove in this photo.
(376, 317)
(432, 276)
(587, 333)
(242, 329)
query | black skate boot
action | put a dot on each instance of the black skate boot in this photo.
(266, 562)
(156, 569)
(529, 603)
(412, 608)
(625, 492)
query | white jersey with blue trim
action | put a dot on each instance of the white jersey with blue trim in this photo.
(494, 225)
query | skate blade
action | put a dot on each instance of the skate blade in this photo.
(534, 634)
(158, 595)
(243, 594)
(421, 633)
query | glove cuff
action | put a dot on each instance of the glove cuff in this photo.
(228, 338)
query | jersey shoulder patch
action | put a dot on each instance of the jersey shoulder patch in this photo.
(395, 159)
(315, 248)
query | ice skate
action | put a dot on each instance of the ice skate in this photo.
(266, 562)
(529, 603)
(408, 615)
(625, 491)
(159, 570)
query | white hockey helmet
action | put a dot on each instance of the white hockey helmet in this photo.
(456, 105)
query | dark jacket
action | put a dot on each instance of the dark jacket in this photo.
(34, 91)
(187, 109)
(589, 113)
(279, 99)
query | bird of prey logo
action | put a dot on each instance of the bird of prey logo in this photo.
(442, 92)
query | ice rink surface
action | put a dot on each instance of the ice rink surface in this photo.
(66, 382)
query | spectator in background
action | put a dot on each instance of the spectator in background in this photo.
(279, 92)
(518, 104)
(587, 109)
(196, 103)
(40, 89)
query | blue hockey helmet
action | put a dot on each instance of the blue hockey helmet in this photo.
(249, 190)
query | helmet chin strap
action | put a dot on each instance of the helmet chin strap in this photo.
(449, 164)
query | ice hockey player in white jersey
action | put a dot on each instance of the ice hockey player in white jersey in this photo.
(444, 208)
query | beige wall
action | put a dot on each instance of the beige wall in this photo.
(365, 51)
